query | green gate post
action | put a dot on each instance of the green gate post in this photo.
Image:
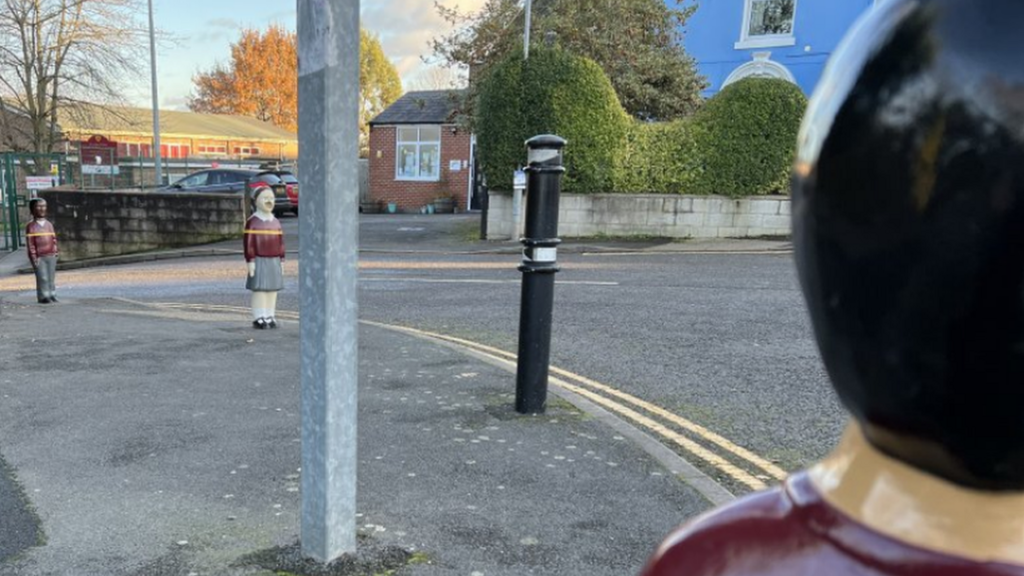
(11, 198)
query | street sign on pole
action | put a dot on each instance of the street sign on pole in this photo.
(328, 42)
(518, 187)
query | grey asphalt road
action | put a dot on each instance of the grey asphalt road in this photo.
(160, 441)
(19, 527)
(722, 339)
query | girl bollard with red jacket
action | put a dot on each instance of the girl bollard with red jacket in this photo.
(41, 244)
(908, 230)
(264, 254)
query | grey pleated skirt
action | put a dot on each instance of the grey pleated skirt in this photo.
(268, 276)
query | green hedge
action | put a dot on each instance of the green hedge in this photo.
(746, 135)
(740, 143)
(501, 130)
(554, 92)
(659, 158)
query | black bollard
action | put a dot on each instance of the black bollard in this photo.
(544, 174)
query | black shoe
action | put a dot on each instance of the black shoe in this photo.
(259, 323)
(271, 323)
(54, 299)
(44, 300)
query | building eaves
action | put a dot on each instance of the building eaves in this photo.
(139, 122)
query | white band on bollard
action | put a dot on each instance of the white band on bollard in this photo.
(540, 155)
(540, 254)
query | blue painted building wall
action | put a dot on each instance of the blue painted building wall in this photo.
(711, 35)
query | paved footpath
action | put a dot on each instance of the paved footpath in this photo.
(150, 441)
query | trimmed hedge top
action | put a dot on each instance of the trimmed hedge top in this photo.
(746, 135)
(554, 92)
(740, 143)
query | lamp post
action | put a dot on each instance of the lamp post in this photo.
(526, 30)
(156, 111)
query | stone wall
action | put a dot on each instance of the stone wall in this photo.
(95, 224)
(659, 215)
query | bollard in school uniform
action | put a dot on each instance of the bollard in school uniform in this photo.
(264, 255)
(42, 249)
(908, 223)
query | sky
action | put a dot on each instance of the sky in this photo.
(203, 31)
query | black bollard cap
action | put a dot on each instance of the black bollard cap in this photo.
(909, 232)
(546, 141)
(545, 150)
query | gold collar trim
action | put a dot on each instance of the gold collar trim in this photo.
(917, 508)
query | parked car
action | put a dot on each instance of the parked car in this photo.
(291, 183)
(235, 181)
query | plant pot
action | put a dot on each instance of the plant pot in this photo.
(444, 205)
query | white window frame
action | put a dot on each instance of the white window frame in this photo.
(766, 40)
(418, 143)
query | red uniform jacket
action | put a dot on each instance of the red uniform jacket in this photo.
(791, 531)
(263, 239)
(41, 240)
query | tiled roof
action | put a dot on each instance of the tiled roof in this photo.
(423, 107)
(139, 121)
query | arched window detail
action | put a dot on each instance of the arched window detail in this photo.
(761, 67)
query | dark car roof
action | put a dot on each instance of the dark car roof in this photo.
(247, 171)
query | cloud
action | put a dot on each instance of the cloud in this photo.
(286, 17)
(405, 28)
(174, 103)
(223, 23)
(218, 30)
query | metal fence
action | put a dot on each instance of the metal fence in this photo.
(21, 175)
(139, 173)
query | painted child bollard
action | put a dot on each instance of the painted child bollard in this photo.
(908, 221)
(264, 255)
(41, 245)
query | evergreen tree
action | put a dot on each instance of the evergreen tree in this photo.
(638, 44)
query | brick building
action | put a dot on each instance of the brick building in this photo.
(182, 134)
(418, 154)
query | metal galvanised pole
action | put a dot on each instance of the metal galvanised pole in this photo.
(526, 30)
(156, 98)
(328, 35)
(540, 245)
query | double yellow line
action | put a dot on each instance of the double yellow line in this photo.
(645, 414)
(690, 437)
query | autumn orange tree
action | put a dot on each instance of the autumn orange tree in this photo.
(262, 80)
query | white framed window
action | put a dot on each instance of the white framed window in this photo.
(418, 153)
(767, 23)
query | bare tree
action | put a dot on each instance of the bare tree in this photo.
(437, 78)
(59, 54)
